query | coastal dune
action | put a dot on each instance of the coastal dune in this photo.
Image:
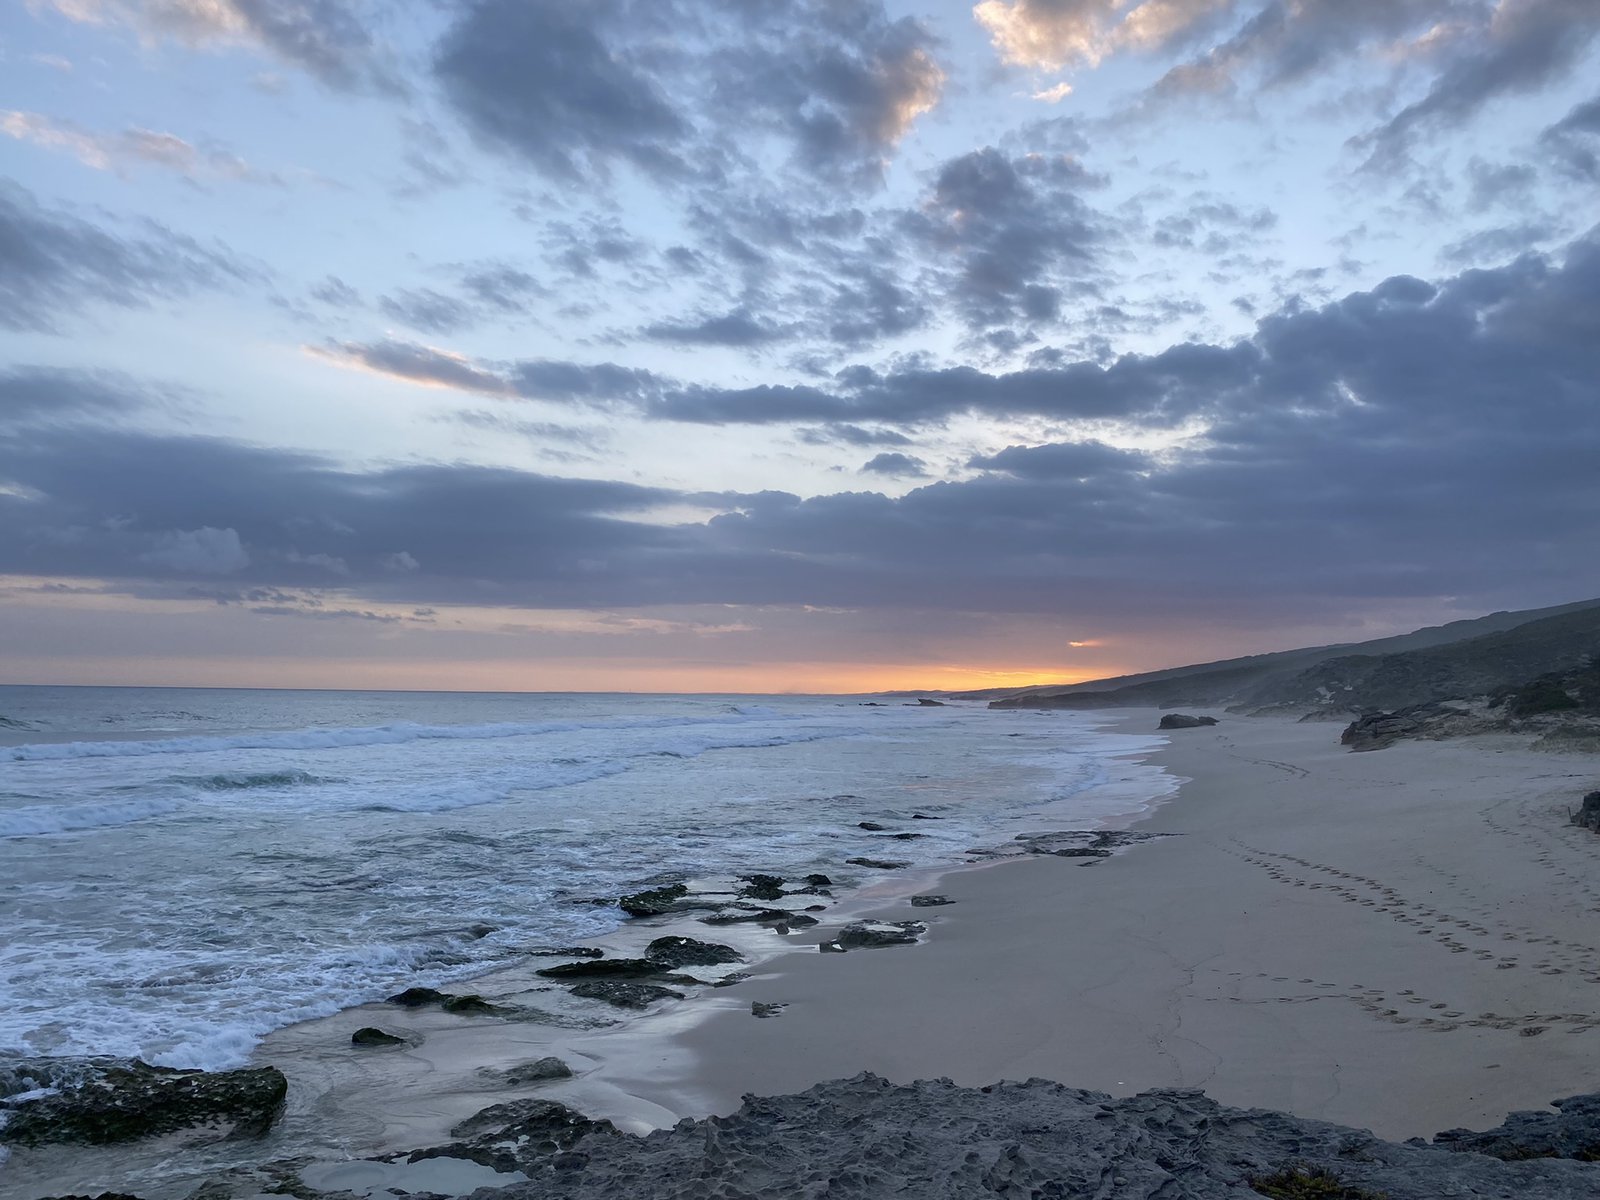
(1400, 941)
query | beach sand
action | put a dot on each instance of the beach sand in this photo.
(1400, 940)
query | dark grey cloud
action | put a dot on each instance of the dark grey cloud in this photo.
(736, 328)
(1576, 139)
(538, 79)
(852, 435)
(678, 90)
(54, 264)
(1018, 230)
(44, 394)
(1419, 439)
(1523, 47)
(895, 464)
(428, 310)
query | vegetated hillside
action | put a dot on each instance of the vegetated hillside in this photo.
(1463, 658)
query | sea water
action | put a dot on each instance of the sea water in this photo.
(183, 871)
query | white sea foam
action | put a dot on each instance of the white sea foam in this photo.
(41, 819)
(331, 739)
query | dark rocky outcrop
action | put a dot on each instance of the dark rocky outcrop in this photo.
(469, 1005)
(674, 952)
(869, 935)
(818, 881)
(372, 1036)
(758, 916)
(1573, 1131)
(881, 864)
(1184, 721)
(604, 968)
(99, 1101)
(930, 901)
(625, 993)
(929, 704)
(1374, 731)
(762, 887)
(566, 952)
(653, 902)
(871, 1139)
(527, 1135)
(759, 1009)
(1081, 843)
(540, 1070)
(1588, 814)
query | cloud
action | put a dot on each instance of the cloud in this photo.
(1454, 422)
(131, 148)
(51, 394)
(893, 463)
(326, 38)
(54, 264)
(681, 91)
(1576, 139)
(1017, 226)
(1050, 34)
(1524, 45)
(203, 551)
(737, 328)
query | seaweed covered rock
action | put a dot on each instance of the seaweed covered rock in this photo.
(520, 1135)
(653, 902)
(674, 952)
(868, 935)
(370, 1035)
(625, 993)
(98, 1101)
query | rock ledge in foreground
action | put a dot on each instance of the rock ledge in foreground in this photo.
(868, 1138)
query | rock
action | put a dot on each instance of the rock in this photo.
(926, 817)
(930, 901)
(868, 935)
(830, 947)
(930, 704)
(1375, 730)
(526, 1135)
(881, 864)
(625, 994)
(371, 1036)
(871, 1139)
(818, 881)
(1588, 815)
(469, 1005)
(604, 968)
(653, 902)
(758, 1009)
(540, 1070)
(567, 952)
(480, 930)
(1184, 721)
(475, 1006)
(1081, 843)
(731, 978)
(417, 997)
(762, 887)
(907, 837)
(674, 952)
(1572, 1132)
(758, 916)
(871, 826)
(104, 1100)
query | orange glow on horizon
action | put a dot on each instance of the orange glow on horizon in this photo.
(643, 676)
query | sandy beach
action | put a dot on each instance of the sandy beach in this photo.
(1398, 940)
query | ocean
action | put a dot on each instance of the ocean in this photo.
(183, 871)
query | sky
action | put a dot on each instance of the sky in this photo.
(785, 345)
